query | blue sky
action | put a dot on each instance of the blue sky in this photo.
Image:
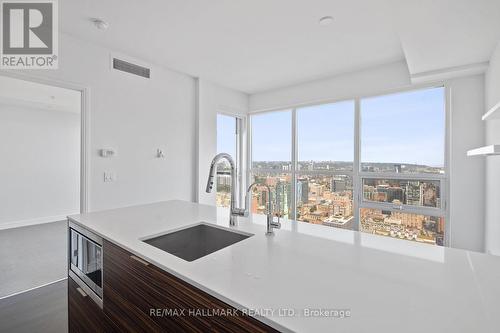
(271, 136)
(226, 134)
(405, 127)
(326, 132)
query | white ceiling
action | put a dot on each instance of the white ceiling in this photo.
(258, 45)
(440, 34)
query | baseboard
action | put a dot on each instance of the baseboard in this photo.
(24, 223)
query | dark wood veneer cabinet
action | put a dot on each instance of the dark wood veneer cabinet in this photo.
(140, 297)
(84, 315)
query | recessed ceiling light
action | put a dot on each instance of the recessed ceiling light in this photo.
(100, 24)
(326, 20)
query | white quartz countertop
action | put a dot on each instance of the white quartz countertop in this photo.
(387, 285)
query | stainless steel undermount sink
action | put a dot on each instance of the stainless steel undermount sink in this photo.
(197, 241)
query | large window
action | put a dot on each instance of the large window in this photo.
(272, 161)
(403, 171)
(325, 157)
(228, 141)
(382, 171)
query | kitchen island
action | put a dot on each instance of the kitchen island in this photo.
(305, 278)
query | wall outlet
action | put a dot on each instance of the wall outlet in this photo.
(109, 177)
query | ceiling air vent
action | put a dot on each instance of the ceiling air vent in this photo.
(128, 67)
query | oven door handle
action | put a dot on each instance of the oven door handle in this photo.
(80, 290)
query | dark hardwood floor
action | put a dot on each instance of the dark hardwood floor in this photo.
(42, 310)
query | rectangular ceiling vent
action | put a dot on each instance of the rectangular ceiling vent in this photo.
(128, 67)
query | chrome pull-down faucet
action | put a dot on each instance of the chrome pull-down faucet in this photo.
(233, 211)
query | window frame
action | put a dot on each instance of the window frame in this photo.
(294, 172)
(443, 179)
(357, 175)
(241, 156)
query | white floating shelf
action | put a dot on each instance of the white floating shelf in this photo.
(485, 151)
(493, 113)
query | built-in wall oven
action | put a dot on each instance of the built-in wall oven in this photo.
(85, 261)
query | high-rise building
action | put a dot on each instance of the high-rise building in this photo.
(288, 192)
(338, 185)
(395, 193)
(440, 225)
(283, 196)
(431, 195)
(223, 183)
(262, 195)
(369, 192)
(414, 193)
(316, 190)
(303, 190)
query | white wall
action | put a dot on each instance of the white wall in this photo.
(467, 180)
(135, 116)
(213, 99)
(40, 167)
(362, 83)
(493, 162)
(467, 195)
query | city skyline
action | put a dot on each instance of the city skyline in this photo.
(342, 166)
(328, 200)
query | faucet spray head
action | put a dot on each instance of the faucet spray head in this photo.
(210, 181)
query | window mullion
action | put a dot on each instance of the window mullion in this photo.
(240, 158)
(357, 187)
(249, 159)
(294, 165)
(409, 209)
